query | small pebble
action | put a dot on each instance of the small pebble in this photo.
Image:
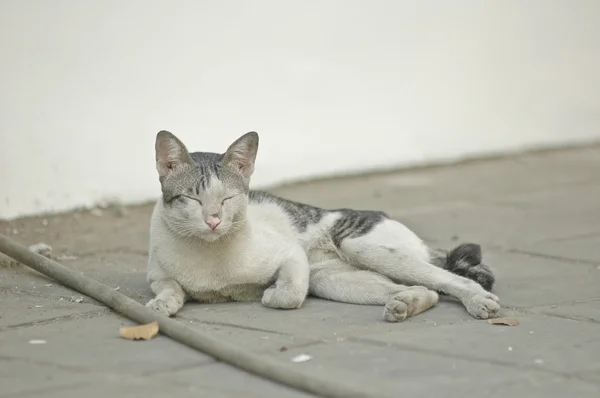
(509, 348)
(42, 249)
(45, 222)
(37, 341)
(538, 361)
(301, 358)
(38, 306)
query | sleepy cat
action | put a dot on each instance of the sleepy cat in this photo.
(214, 240)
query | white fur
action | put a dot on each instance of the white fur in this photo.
(237, 268)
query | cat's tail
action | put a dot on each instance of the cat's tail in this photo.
(465, 260)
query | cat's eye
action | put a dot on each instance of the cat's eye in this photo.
(174, 198)
(193, 198)
(223, 202)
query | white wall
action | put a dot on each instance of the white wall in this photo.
(331, 86)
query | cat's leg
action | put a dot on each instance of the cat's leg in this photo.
(291, 286)
(169, 299)
(393, 250)
(335, 280)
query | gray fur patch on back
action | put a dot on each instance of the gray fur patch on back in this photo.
(351, 224)
(301, 215)
(354, 224)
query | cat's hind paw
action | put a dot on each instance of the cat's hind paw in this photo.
(412, 301)
(483, 306)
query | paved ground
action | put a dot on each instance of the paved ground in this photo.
(536, 215)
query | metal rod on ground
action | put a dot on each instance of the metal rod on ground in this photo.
(229, 353)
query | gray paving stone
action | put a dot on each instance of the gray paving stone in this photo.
(194, 383)
(20, 377)
(257, 340)
(319, 319)
(115, 388)
(539, 343)
(525, 281)
(24, 280)
(589, 310)
(505, 225)
(19, 309)
(393, 372)
(127, 272)
(544, 387)
(219, 380)
(94, 345)
(477, 181)
(582, 248)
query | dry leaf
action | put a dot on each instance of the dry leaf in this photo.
(141, 332)
(503, 321)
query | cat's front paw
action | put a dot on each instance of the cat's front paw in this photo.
(167, 307)
(278, 297)
(483, 306)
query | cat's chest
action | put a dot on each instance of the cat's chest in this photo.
(213, 271)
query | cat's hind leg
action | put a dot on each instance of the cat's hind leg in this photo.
(169, 299)
(391, 249)
(337, 281)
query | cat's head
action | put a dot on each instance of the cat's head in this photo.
(205, 195)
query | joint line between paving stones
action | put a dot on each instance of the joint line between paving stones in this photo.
(232, 325)
(542, 311)
(75, 369)
(553, 257)
(47, 389)
(571, 237)
(468, 358)
(43, 295)
(64, 318)
(116, 250)
(177, 368)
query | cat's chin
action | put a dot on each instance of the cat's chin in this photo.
(211, 236)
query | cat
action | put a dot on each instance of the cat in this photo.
(214, 240)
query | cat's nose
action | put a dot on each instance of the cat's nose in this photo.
(213, 222)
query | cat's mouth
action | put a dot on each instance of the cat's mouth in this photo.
(212, 235)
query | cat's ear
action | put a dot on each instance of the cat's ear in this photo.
(240, 155)
(170, 153)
